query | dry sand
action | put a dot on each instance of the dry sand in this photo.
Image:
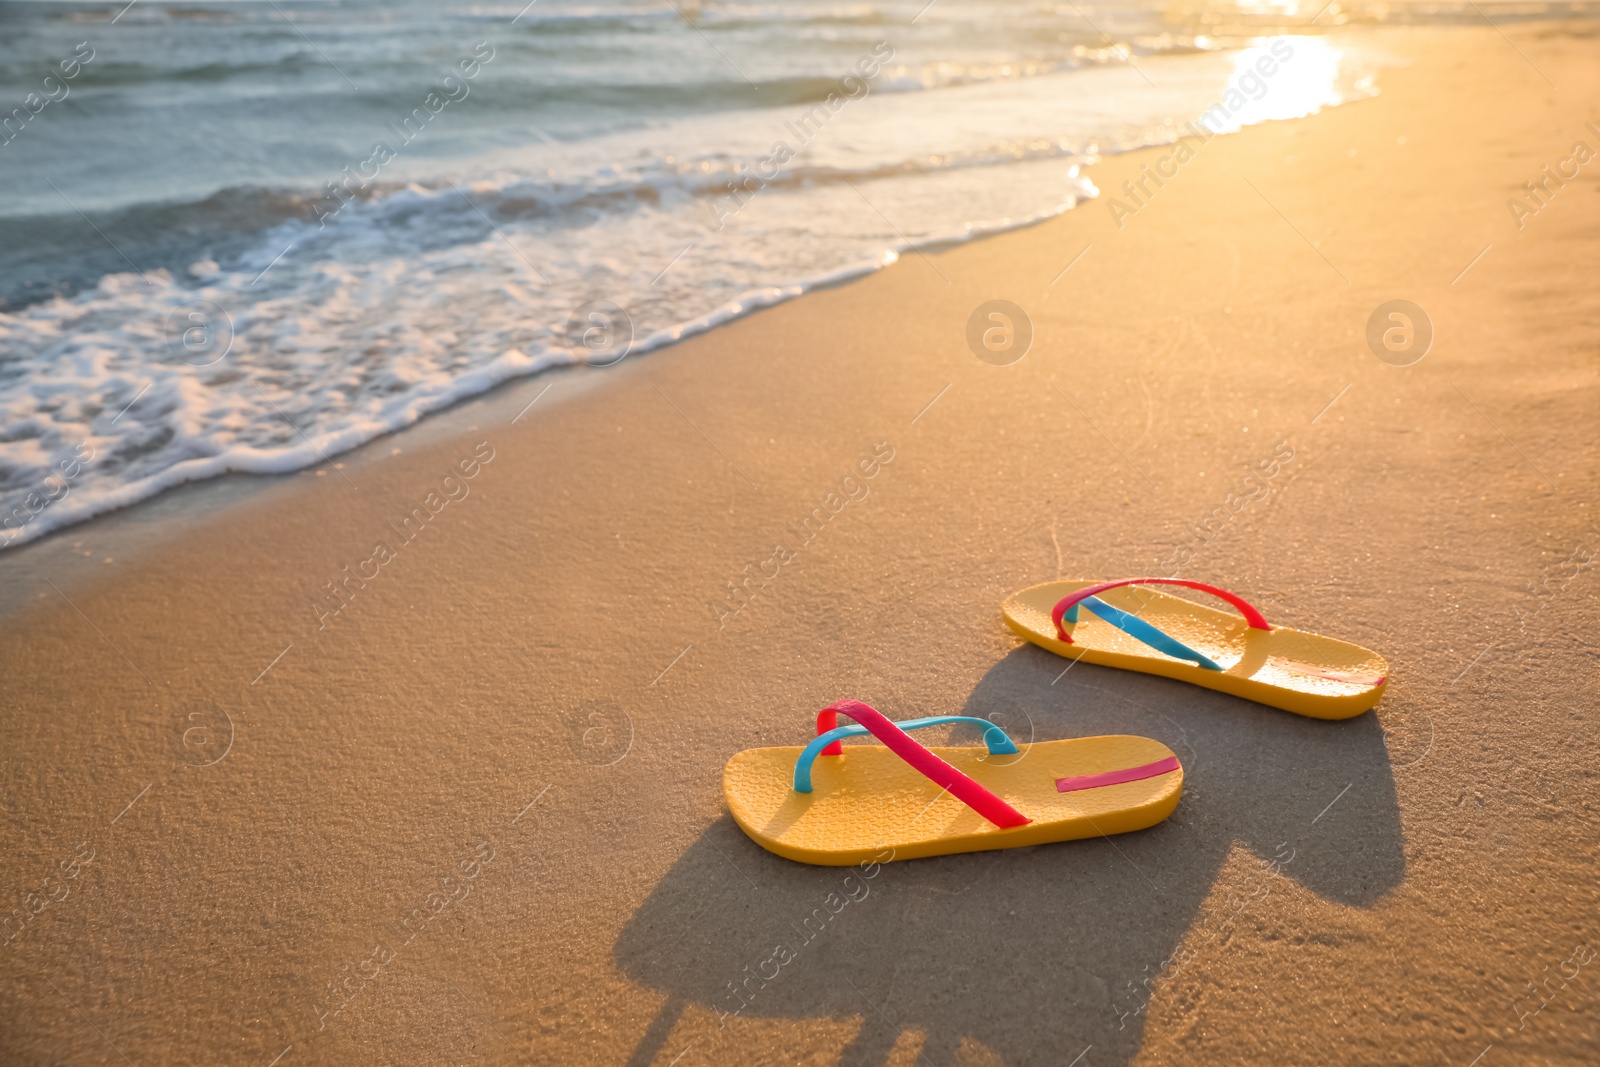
(484, 797)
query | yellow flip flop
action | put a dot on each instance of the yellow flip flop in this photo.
(869, 804)
(1140, 629)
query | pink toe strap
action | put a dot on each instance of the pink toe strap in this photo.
(963, 788)
(1127, 774)
(1069, 603)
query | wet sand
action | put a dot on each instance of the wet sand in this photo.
(470, 810)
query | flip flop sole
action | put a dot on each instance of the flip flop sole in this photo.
(870, 805)
(1305, 673)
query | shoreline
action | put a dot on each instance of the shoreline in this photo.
(1224, 117)
(133, 529)
(541, 676)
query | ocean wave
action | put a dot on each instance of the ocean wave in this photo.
(322, 356)
(254, 338)
(106, 74)
(226, 225)
(724, 89)
(44, 256)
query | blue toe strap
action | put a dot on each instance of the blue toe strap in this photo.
(999, 744)
(1136, 627)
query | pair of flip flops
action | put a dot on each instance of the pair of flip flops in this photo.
(818, 805)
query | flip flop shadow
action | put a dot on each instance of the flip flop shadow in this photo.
(1033, 954)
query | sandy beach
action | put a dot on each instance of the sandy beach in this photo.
(465, 806)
